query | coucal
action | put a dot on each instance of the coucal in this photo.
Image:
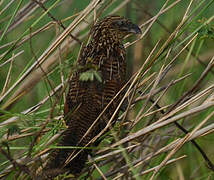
(104, 61)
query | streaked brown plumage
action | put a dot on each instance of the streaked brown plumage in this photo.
(87, 99)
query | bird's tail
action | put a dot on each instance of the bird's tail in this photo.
(57, 159)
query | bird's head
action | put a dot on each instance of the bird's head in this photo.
(115, 27)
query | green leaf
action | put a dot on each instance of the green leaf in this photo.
(206, 31)
(98, 76)
(90, 75)
(85, 76)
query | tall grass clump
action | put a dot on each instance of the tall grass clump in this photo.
(165, 129)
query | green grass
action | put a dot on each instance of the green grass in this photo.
(20, 123)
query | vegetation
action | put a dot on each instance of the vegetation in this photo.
(170, 87)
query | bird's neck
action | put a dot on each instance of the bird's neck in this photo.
(105, 37)
(106, 42)
(108, 48)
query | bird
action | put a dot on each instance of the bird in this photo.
(100, 75)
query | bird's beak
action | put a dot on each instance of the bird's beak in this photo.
(133, 28)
